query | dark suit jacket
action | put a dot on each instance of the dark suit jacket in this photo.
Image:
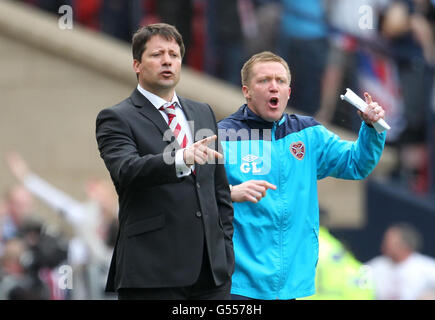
(164, 221)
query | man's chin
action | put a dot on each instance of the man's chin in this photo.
(274, 116)
(168, 84)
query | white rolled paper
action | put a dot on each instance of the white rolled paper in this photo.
(361, 105)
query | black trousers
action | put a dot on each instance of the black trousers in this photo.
(203, 289)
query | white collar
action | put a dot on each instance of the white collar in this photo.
(157, 101)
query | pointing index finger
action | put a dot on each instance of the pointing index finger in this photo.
(267, 184)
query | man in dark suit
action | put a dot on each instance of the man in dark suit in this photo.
(175, 210)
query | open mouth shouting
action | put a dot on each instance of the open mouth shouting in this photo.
(273, 102)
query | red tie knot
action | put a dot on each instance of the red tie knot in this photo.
(168, 108)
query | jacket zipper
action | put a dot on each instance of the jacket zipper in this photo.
(278, 289)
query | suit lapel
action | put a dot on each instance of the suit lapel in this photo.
(148, 110)
(145, 108)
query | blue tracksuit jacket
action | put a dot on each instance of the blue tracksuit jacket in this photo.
(276, 240)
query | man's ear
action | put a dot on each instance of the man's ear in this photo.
(289, 92)
(136, 64)
(245, 91)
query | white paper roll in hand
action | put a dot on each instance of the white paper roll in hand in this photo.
(360, 104)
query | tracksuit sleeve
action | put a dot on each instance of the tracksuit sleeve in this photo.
(353, 160)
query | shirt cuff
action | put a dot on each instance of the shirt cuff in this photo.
(181, 168)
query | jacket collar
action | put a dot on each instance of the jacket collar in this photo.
(253, 121)
(146, 108)
(155, 100)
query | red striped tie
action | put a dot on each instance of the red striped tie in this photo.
(174, 125)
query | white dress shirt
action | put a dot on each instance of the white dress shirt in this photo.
(180, 166)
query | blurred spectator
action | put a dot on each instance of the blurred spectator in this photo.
(265, 30)
(409, 34)
(17, 207)
(177, 13)
(304, 45)
(188, 16)
(196, 52)
(224, 49)
(378, 72)
(94, 223)
(44, 254)
(119, 18)
(402, 273)
(28, 256)
(341, 69)
(237, 29)
(15, 282)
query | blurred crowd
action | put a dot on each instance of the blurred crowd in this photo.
(55, 259)
(400, 272)
(39, 262)
(385, 47)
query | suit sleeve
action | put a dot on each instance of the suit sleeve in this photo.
(349, 159)
(119, 151)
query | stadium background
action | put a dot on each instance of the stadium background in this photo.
(54, 81)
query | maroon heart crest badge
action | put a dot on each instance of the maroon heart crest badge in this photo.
(297, 149)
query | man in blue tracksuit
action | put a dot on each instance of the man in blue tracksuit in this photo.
(276, 239)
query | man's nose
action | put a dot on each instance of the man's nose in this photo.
(273, 86)
(166, 59)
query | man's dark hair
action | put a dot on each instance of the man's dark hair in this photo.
(141, 37)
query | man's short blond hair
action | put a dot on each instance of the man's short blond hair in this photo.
(265, 56)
